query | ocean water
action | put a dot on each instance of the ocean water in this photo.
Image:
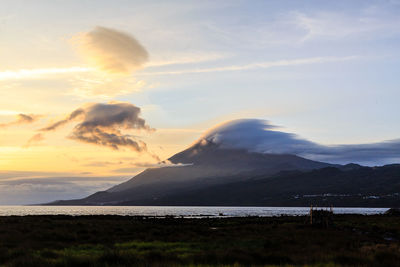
(161, 211)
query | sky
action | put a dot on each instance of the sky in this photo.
(93, 92)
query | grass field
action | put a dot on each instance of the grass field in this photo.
(352, 240)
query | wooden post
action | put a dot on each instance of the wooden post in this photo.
(311, 209)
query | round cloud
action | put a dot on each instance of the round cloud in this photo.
(111, 50)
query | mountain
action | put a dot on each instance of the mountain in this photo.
(352, 186)
(246, 162)
(206, 163)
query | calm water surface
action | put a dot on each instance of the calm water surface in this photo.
(175, 211)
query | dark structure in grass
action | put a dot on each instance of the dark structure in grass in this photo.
(321, 217)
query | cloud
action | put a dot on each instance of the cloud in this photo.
(38, 73)
(260, 136)
(380, 153)
(60, 123)
(114, 53)
(102, 163)
(140, 165)
(79, 81)
(21, 119)
(34, 139)
(257, 65)
(185, 58)
(111, 50)
(131, 165)
(102, 124)
(336, 26)
(95, 84)
(23, 190)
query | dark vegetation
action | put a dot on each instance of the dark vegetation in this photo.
(348, 240)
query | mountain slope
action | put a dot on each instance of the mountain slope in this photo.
(352, 186)
(207, 165)
(207, 160)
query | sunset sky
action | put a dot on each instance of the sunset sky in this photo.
(92, 92)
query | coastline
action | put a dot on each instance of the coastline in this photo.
(179, 211)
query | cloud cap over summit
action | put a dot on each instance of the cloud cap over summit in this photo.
(261, 136)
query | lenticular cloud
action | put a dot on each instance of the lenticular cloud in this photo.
(111, 50)
(260, 136)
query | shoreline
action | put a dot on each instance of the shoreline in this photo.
(177, 211)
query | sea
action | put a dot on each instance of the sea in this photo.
(186, 212)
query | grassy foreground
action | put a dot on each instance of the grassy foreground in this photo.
(353, 240)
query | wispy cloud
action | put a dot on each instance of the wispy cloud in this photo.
(38, 73)
(95, 84)
(257, 65)
(334, 26)
(186, 59)
(34, 139)
(21, 119)
(140, 165)
(6, 112)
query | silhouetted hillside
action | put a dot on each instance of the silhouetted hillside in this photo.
(209, 166)
(361, 186)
